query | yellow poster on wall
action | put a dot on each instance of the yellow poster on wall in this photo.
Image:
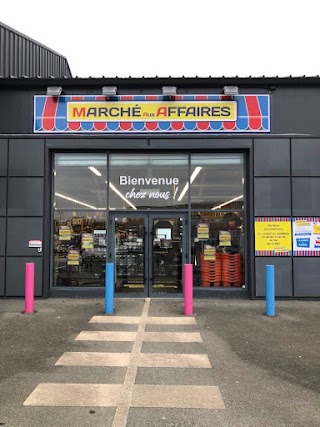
(272, 236)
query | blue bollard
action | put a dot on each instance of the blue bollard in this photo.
(109, 288)
(270, 292)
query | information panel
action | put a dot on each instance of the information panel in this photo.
(306, 236)
(273, 236)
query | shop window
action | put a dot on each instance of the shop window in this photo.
(80, 242)
(156, 181)
(217, 181)
(80, 181)
(218, 249)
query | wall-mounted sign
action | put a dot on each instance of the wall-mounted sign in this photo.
(306, 236)
(273, 236)
(35, 244)
(151, 113)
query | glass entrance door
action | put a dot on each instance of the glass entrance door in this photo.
(148, 251)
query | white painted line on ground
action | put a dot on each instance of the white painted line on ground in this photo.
(52, 394)
(106, 336)
(177, 396)
(146, 360)
(172, 337)
(150, 320)
(165, 360)
(94, 359)
(171, 321)
(122, 411)
(127, 320)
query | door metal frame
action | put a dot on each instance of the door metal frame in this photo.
(148, 218)
(166, 215)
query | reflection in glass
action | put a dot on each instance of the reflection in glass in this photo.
(167, 255)
(148, 181)
(79, 181)
(80, 241)
(129, 254)
(218, 249)
(217, 181)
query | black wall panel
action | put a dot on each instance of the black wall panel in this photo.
(271, 157)
(25, 197)
(26, 157)
(2, 236)
(3, 157)
(20, 231)
(15, 276)
(306, 276)
(305, 157)
(272, 197)
(3, 196)
(305, 197)
(2, 276)
(282, 275)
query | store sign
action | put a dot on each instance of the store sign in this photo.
(130, 111)
(155, 187)
(143, 113)
(306, 236)
(273, 236)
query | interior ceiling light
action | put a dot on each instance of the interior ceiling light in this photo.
(75, 201)
(192, 178)
(226, 203)
(94, 170)
(113, 188)
(54, 90)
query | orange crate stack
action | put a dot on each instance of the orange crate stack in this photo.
(210, 271)
(231, 270)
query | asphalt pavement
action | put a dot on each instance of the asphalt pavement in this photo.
(267, 370)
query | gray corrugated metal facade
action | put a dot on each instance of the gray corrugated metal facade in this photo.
(20, 56)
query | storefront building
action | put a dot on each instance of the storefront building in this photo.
(150, 174)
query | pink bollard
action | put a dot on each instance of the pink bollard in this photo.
(29, 288)
(188, 290)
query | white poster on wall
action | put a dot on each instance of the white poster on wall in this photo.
(306, 236)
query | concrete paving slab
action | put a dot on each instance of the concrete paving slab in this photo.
(106, 336)
(75, 395)
(162, 360)
(172, 336)
(180, 396)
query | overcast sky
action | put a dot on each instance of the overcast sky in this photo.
(174, 37)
